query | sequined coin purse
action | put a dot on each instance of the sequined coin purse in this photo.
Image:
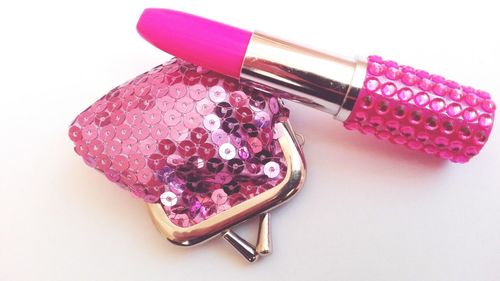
(203, 151)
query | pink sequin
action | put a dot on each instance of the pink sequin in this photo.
(178, 130)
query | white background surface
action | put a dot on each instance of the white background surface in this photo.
(369, 210)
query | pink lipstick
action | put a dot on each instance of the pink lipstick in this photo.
(394, 102)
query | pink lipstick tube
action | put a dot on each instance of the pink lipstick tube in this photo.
(401, 104)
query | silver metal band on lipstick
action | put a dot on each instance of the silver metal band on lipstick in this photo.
(327, 82)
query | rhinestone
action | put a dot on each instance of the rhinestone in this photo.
(485, 120)
(405, 94)
(469, 114)
(480, 137)
(409, 79)
(425, 84)
(488, 106)
(440, 89)
(437, 105)
(367, 102)
(456, 94)
(217, 94)
(471, 99)
(388, 89)
(393, 73)
(168, 199)
(465, 132)
(227, 151)
(454, 109)
(421, 99)
(456, 146)
(431, 123)
(372, 84)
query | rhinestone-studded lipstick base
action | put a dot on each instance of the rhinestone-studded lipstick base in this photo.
(192, 140)
(422, 111)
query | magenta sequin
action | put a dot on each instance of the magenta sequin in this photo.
(192, 140)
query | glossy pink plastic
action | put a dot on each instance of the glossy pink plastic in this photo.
(219, 47)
